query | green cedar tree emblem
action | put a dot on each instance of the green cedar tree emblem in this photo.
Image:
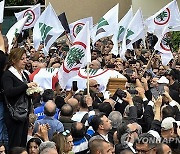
(50, 69)
(102, 22)
(74, 56)
(129, 33)
(121, 30)
(92, 71)
(45, 29)
(29, 16)
(78, 29)
(16, 32)
(162, 16)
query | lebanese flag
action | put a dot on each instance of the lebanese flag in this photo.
(102, 76)
(167, 16)
(77, 57)
(163, 44)
(45, 77)
(77, 26)
(33, 14)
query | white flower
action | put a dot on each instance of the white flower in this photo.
(33, 90)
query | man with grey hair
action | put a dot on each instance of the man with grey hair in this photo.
(48, 147)
(116, 121)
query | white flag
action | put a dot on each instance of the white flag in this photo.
(108, 24)
(77, 26)
(33, 14)
(47, 29)
(122, 26)
(134, 32)
(167, 16)
(163, 44)
(77, 57)
(15, 30)
(1, 10)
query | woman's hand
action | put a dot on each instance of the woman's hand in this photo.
(32, 84)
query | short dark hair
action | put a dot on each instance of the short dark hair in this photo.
(96, 121)
(48, 95)
(96, 144)
(121, 130)
(168, 111)
(66, 110)
(105, 108)
(16, 150)
(83, 102)
(78, 132)
(96, 50)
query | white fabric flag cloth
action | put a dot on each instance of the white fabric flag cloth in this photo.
(33, 14)
(122, 26)
(108, 24)
(47, 29)
(77, 57)
(163, 44)
(77, 26)
(134, 32)
(102, 76)
(44, 77)
(168, 15)
(1, 10)
(15, 30)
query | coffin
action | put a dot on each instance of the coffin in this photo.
(115, 83)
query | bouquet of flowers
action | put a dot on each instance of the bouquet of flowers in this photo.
(32, 90)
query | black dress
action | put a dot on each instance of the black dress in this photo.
(13, 89)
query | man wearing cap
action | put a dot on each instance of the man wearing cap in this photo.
(169, 134)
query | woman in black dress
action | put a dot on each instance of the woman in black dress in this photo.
(15, 82)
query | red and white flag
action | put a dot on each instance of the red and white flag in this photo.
(33, 14)
(167, 16)
(163, 44)
(77, 57)
(77, 26)
(45, 77)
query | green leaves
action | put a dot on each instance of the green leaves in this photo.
(74, 56)
(162, 15)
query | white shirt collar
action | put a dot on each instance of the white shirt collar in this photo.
(16, 73)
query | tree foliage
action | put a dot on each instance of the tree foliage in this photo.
(175, 40)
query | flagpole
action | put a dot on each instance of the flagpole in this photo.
(88, 79)
(71, 43)
(149, 62)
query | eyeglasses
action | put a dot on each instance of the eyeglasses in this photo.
(134, 131)
(66, 132)
(96, 85)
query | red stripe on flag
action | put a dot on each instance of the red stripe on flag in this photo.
(73, 69)
(80, 43)
(31, 76)
(85, 77)
(54, 80)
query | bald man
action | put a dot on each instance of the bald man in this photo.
(95, 64)
(74, 103)
(54, 124)
(94, 91)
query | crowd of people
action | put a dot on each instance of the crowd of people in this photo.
(143, 118)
